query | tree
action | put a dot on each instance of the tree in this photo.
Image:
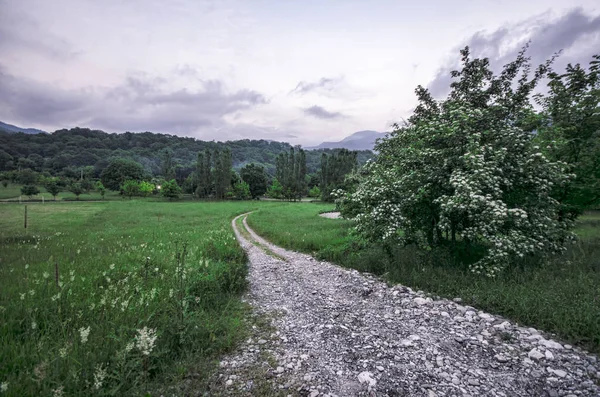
(254, 175)
(30, 191)
(76, 189)
(28, 176)
(568, 129)
(52, 187)
(334, 169)
(130, 188)
(119, 171)
(167, 165)
(275, 190)
(145, 188)
(101, 189)
(464, 173)
(241, 191)
(315, 192)
(291, 173)
(170, 189)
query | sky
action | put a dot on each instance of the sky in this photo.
(303, 71)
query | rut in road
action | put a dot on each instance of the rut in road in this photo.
(343, 333)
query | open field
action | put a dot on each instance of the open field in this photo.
(118, 298)
(13, 191)
(560, 296)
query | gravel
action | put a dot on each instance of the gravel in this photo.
(338, 332)
(331, 215)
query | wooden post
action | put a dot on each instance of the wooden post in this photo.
(25, 221)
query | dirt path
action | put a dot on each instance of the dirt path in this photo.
(339, 332)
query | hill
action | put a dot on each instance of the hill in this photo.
(14, 129)
(65, 151)
(361, 140)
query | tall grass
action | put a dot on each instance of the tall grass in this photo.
(117, 298)
(560, 295)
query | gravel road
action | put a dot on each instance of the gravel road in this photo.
(337, 332)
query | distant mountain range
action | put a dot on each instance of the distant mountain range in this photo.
(13, 128)
(361, 140)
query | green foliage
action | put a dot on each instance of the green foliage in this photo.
(568, 130)
(5, 183)
(78, 296)
(101, 189)
(119, 171)
(66, 152)
(241, 191)
(275, 191)
(463, 173)
(291, 173)
(334, 169)
(171, 190)
(315, 192)
(146, 188)
(254, 175)
(30, 190)
(27, 176)
(51, 185)
(131, 188)
(76, 189)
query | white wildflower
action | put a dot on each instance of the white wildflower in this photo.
(46, 274)
(33, 325)
(4, 387)
(84, 333)
(145, 340)
(99, 376)
(58, 392)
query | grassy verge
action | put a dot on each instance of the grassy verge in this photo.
(117, 298)
(561, 296)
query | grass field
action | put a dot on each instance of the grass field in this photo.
(561, 296)
(13, 191)
(117, 298)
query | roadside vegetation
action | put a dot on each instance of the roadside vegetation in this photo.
(117, 298)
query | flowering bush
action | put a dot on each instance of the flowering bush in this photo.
(464, 171)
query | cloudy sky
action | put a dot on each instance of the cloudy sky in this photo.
(300, 71)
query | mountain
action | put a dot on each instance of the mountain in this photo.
(13, 128)
(361, 140)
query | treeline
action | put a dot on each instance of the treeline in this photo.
(66, 152)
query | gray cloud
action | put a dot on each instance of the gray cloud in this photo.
(576, 33)
(19, 31)
(321, 113)
(324, 84)
(141, 103)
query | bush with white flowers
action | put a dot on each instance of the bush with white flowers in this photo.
(462, 171)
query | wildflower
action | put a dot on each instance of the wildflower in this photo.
(128, 347)
(46, 274)
(31, 292)
(62, 352)
(145, 340)
(84, 333)
(112, 266)
(27, 266)
(22, 297)
(4, 387)
(58, 392)
(33, 325)
(99, 376)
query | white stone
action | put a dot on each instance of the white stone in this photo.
(559, 372)
(367, 377)
(420, 301)
(549, 355)
(550, 344)
(535, 354)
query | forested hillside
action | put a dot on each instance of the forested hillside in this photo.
(66, 151)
